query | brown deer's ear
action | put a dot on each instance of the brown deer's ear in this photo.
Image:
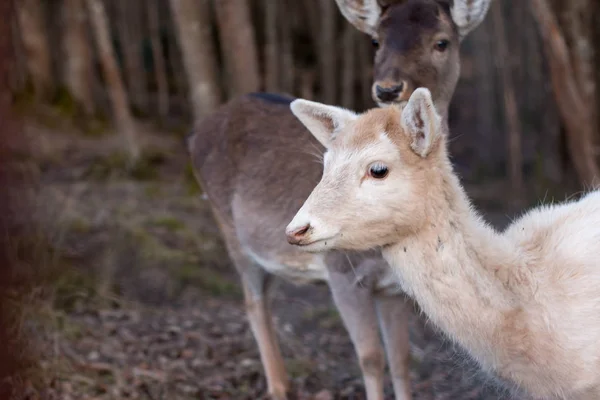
(468, 14)
(421, 122)
(321, 120)
(363, 14)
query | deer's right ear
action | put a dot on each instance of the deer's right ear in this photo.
(363, 14)
(321, 120)
(421, 122)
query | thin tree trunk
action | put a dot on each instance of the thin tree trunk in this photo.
(177, 69)
(349, 67)
(572, 107)
(34, 36)
(158, 56)
(129, 25)
(193, 26)
(515, 155)
(114, 83)
(546, 137)
(365, 72)
(287, 50)
(328, 51)
(271, 49)
(579, 27)
(239, 45)
(19, 67)
(307, 81)
(311, 8)
(78, 72)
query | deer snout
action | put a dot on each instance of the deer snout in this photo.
(295, 235)
(388, 94)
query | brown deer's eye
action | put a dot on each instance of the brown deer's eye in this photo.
(375, 43)
(441, 45)
(378, 171)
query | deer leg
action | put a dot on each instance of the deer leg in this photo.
(393, 312)
(256, 283)
(356, 305)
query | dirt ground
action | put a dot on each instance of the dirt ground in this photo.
(151, 308)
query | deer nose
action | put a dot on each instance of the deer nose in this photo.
(389, 93)
(296, 235)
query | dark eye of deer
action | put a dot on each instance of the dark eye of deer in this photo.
(375, 43)
(378, 171)
(441, 45)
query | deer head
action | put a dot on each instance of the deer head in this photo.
(380, 169)
(417, 43)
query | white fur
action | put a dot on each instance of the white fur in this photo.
(468, 14)
(311, 114)
(420, 111)
(363, 14)
(525, 303)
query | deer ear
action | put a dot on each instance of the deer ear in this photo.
(321, 120)
(421, 122)
(468, 14)
(363, 14)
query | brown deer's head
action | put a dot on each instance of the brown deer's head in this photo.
(417, 43)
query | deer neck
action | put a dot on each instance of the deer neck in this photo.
(461, 272)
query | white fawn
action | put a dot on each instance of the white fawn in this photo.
(250, 158)
(524, 303)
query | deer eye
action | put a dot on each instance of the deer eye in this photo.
(378, 171)
(375, 43)
(441, 45)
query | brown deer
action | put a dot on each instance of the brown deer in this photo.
(524, 303)
(250, 158)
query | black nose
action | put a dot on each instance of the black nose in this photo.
(388, 94)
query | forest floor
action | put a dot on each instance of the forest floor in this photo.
(150, 307)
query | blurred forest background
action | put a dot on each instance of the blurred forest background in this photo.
(160, 60)
(151, 307)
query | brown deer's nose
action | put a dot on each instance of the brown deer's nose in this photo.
(390, 93)
(296, 236)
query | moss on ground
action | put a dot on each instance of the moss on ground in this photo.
(117, 165)
(208, 280)
(169, 223)
(328, 317)
(191, 183)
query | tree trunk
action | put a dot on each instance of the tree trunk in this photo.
(349, 67)
(130, 39)
(271, 49)
(158, 56)
(78, 72)
(18, 79)
(34, 36)
(328, 51)
(192, 20)
(307, 81)
(286, 56)
(365, 71)
(239, 45)
(574, 111)
(515, 155)
(114, 83)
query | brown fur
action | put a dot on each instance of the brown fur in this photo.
(257, 164)
(406, 55)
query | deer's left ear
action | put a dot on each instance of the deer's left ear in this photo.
(321, 120)
(421, 122)
(468, 14)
